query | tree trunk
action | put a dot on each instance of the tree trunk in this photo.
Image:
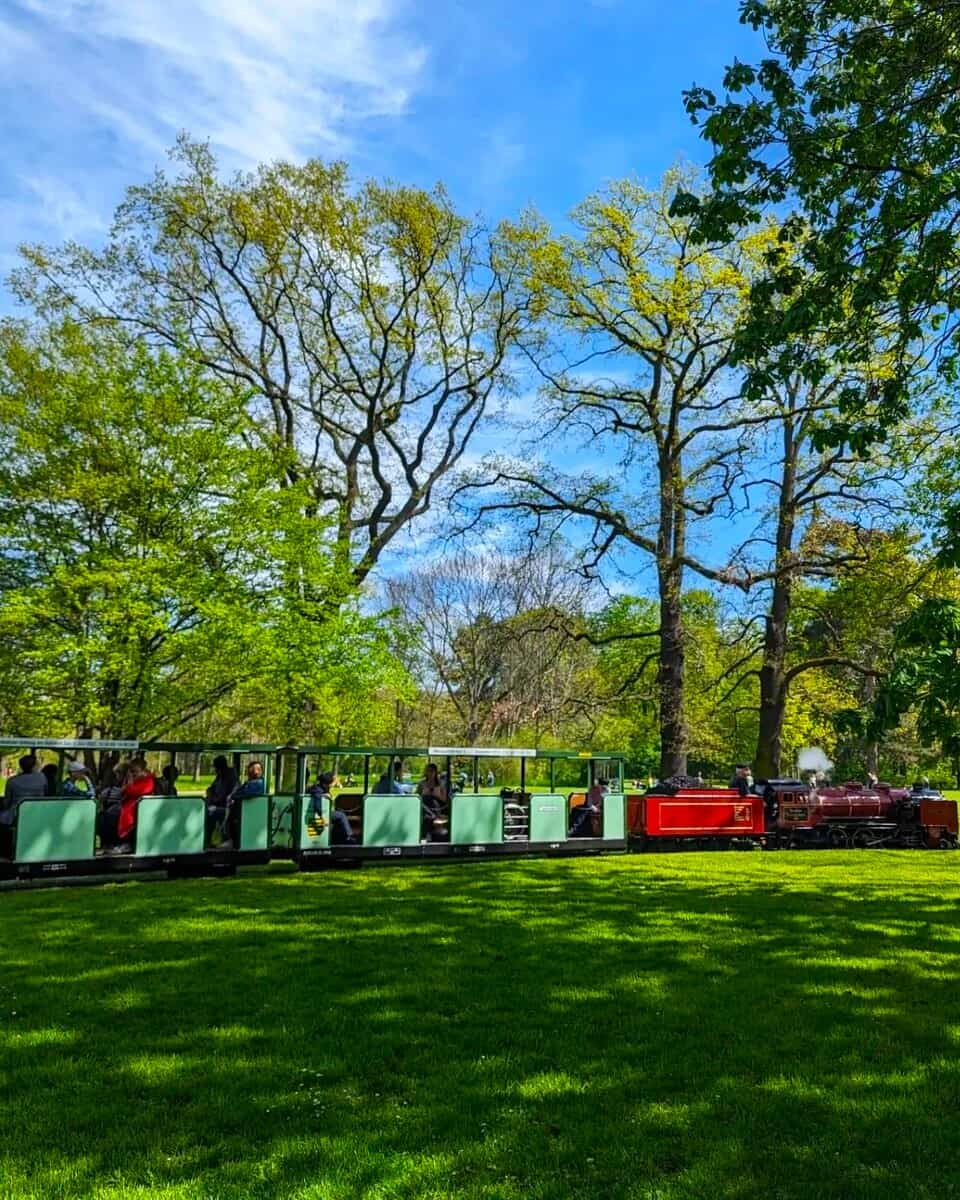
(773, 704)
(673, 728)
(773, 678)
(871, 749)
(671, 537)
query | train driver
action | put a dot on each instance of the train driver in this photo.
(742, 780)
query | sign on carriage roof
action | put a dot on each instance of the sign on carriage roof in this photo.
(481, 752)
(67, 743)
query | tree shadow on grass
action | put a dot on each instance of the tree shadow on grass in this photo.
(730, 1026)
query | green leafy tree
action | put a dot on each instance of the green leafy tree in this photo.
(146, 552)
(852, 120)
(824, 513)
(924, 677)
(720, 707)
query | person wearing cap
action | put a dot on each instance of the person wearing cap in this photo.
(78, 785)
(742, 781)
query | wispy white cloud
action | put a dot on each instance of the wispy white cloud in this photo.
(42, 206)
(260, 80)
(499, 156)
(67, 210)
(94, 92)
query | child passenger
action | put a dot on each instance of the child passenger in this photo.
(78, 783)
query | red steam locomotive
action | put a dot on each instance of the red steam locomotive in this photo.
(791, 814)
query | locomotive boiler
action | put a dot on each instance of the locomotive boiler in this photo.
(854, 815)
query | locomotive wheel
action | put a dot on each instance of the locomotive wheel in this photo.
(838, 840)
(946, 843)
(861, 839)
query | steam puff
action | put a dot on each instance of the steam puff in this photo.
(813, 759)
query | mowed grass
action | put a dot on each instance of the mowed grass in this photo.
(684, 1026)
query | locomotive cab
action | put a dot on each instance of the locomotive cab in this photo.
(785, 803)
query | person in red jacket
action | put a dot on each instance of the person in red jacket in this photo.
(118, 824)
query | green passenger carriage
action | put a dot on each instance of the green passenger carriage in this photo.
(530, 813)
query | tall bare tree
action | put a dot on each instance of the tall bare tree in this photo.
(369, 324)
(495, 635)
(635, 333)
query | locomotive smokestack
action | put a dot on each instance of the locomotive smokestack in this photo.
(812, 758)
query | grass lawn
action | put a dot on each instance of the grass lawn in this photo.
(696, 1026)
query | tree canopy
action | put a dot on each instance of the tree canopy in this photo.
(150, 565)
(221, 432)
(850, 123)
(367, 326)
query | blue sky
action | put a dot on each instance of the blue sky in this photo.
(509, 102)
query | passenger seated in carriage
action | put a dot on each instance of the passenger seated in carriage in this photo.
(433, 802)
(585, 817)
(117, 824)
(167, 783)
(225, 781)
(28, 785)
(78, 785)
(341, 834)
(391, 783)
(227, 815)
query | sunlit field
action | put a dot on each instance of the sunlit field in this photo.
(695, 1026)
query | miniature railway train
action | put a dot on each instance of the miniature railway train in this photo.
(57, 835)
